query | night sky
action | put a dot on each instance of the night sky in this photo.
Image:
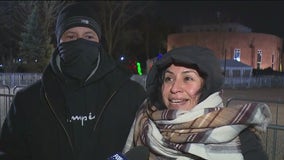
(260, 16)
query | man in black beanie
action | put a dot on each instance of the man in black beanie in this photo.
(84, 105)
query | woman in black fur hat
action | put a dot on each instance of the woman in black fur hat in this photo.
(184, 117)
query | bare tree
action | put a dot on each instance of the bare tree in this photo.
(49, 10)
(9, 33)
(36, 44)
(114, 16)
(14, 15)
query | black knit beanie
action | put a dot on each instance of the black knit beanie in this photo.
(76, 15)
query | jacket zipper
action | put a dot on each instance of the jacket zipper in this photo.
(102, 110)
(105, 105)
(56, 116)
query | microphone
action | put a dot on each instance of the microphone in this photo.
(136, 153)
(117, 156)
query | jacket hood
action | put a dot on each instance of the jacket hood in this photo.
(203, 58)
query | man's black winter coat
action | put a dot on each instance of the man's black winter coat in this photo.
(37, 126)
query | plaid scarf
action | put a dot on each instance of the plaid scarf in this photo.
(208, 131)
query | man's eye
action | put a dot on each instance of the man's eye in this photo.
(90, 37)
(70, 37)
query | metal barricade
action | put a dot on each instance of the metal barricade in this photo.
(5, 102)
(6, 96)
(273, 139)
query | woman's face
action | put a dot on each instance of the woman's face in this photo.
(181, 87)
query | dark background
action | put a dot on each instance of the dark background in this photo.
(141, 38)
(260, 16)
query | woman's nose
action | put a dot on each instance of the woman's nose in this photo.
(176, 87)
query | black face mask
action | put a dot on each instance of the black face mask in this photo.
(78, 58)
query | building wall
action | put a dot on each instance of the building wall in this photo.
(224, 43)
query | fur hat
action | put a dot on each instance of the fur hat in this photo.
(201, 58)
(76, 15)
